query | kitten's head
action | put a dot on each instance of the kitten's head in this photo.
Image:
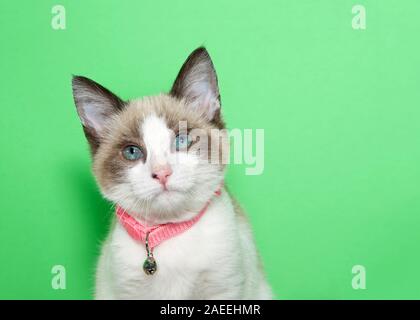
(155, 156)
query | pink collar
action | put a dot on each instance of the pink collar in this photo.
(157, 233)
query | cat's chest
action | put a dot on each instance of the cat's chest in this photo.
(173, 255)
(181, 260)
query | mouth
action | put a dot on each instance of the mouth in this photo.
(165, 191)
(170, 193)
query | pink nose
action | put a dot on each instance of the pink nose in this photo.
(162, 173)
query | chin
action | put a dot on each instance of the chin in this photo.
(168, 205)
(168, 199)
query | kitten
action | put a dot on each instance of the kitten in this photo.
(164, 187)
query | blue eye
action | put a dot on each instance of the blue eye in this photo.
(132, 153)
(182, 142)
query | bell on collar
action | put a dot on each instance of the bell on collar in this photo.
(149, 265)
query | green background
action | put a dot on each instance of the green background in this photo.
(340, 109)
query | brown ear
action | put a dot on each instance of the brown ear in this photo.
(197, 83)
(95, 104)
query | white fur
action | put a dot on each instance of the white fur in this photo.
(215, 259)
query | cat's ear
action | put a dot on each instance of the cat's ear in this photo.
(197, 84)
(95, 104)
